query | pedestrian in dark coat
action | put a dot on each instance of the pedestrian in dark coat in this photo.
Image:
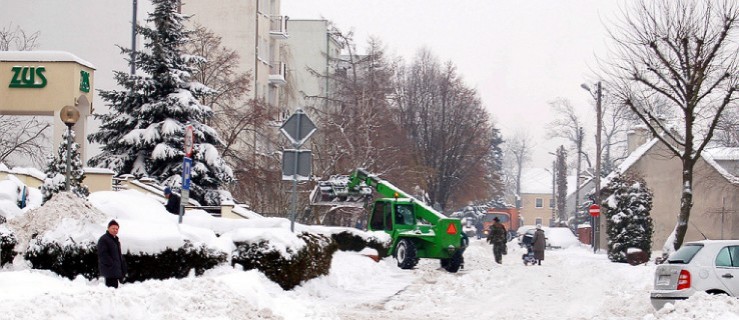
(497, 236)
(539, 244)
(111, 264)
(173, 201)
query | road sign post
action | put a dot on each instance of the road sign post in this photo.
(186, 169)
(185, 191)
(594, 211)
(296, 163)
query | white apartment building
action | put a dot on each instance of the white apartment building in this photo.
(256, 31)
(310, 50)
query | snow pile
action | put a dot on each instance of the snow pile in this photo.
(700, 306)
(62, 217)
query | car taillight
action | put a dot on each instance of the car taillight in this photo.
(683, 281)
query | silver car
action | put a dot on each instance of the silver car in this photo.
(711, 266)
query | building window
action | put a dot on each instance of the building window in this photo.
(551, 203)
(539, 203)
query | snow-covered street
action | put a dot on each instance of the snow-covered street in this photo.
(571, 284)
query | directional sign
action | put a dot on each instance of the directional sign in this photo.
(296, 164)
(186, 168)
(298, 128)
(594, 210)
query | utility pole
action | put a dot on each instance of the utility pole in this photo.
(554, 183)
(599, 128)
(133, 38)
(577, 173)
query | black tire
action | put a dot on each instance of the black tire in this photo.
(406, 254)
(454, 263)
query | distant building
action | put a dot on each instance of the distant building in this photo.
(536, 198)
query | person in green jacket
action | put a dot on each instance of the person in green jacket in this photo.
(497, 236)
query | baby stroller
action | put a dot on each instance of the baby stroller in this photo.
(528, 257)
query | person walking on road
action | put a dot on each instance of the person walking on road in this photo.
(539, 244)
(497, 237)
(111, 264)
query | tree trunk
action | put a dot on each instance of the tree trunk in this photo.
(686, 202)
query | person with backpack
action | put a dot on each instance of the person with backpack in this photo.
(497, 236)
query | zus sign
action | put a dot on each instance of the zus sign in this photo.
(28, 77)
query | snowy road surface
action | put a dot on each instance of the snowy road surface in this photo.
(571, 284)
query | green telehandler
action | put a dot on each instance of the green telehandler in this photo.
(417, 230)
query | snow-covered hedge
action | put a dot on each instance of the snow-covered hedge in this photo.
(7, 245)
(351, 241)
(288, 270)
(61, 236)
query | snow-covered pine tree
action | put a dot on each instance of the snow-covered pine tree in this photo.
(143, 134)
(627, 203)
(56, 170)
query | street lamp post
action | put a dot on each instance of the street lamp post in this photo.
(69, 116)
(599, 127)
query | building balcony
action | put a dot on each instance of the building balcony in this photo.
(278, 27)
(277, 72)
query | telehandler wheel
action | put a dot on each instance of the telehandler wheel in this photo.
(454, 263)
(406, 254)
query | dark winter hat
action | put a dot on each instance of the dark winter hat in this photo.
(167, 190)
(112, 222)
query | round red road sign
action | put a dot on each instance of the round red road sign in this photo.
(594, 210)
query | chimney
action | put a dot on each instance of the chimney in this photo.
(636, 137)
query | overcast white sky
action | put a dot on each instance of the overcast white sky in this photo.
(519, 55)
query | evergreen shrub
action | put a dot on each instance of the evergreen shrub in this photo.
(311, 261)
(7, 246)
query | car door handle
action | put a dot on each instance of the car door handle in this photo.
(728, 275)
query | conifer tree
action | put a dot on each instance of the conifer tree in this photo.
(627, 204)
(143, 134)
(56, 170)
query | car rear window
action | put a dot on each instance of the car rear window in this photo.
(685, 254)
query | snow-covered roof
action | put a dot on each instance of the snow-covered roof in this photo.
(32, 172)
(709, 155)
(536, 180)
(722, 153)
(629, 161)
(98, 170)
(43, 56)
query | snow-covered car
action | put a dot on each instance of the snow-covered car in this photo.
(711, 266)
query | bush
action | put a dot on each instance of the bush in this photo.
(172, 263)
(68, 260)
(72, 259)
(348, 241)
(311, 261)
(7, 246)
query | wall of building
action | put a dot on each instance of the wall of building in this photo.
(61, 77)
(529, 212)
(310, 48)
(712, 195)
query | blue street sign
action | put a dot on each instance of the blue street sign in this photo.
(186, 168)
